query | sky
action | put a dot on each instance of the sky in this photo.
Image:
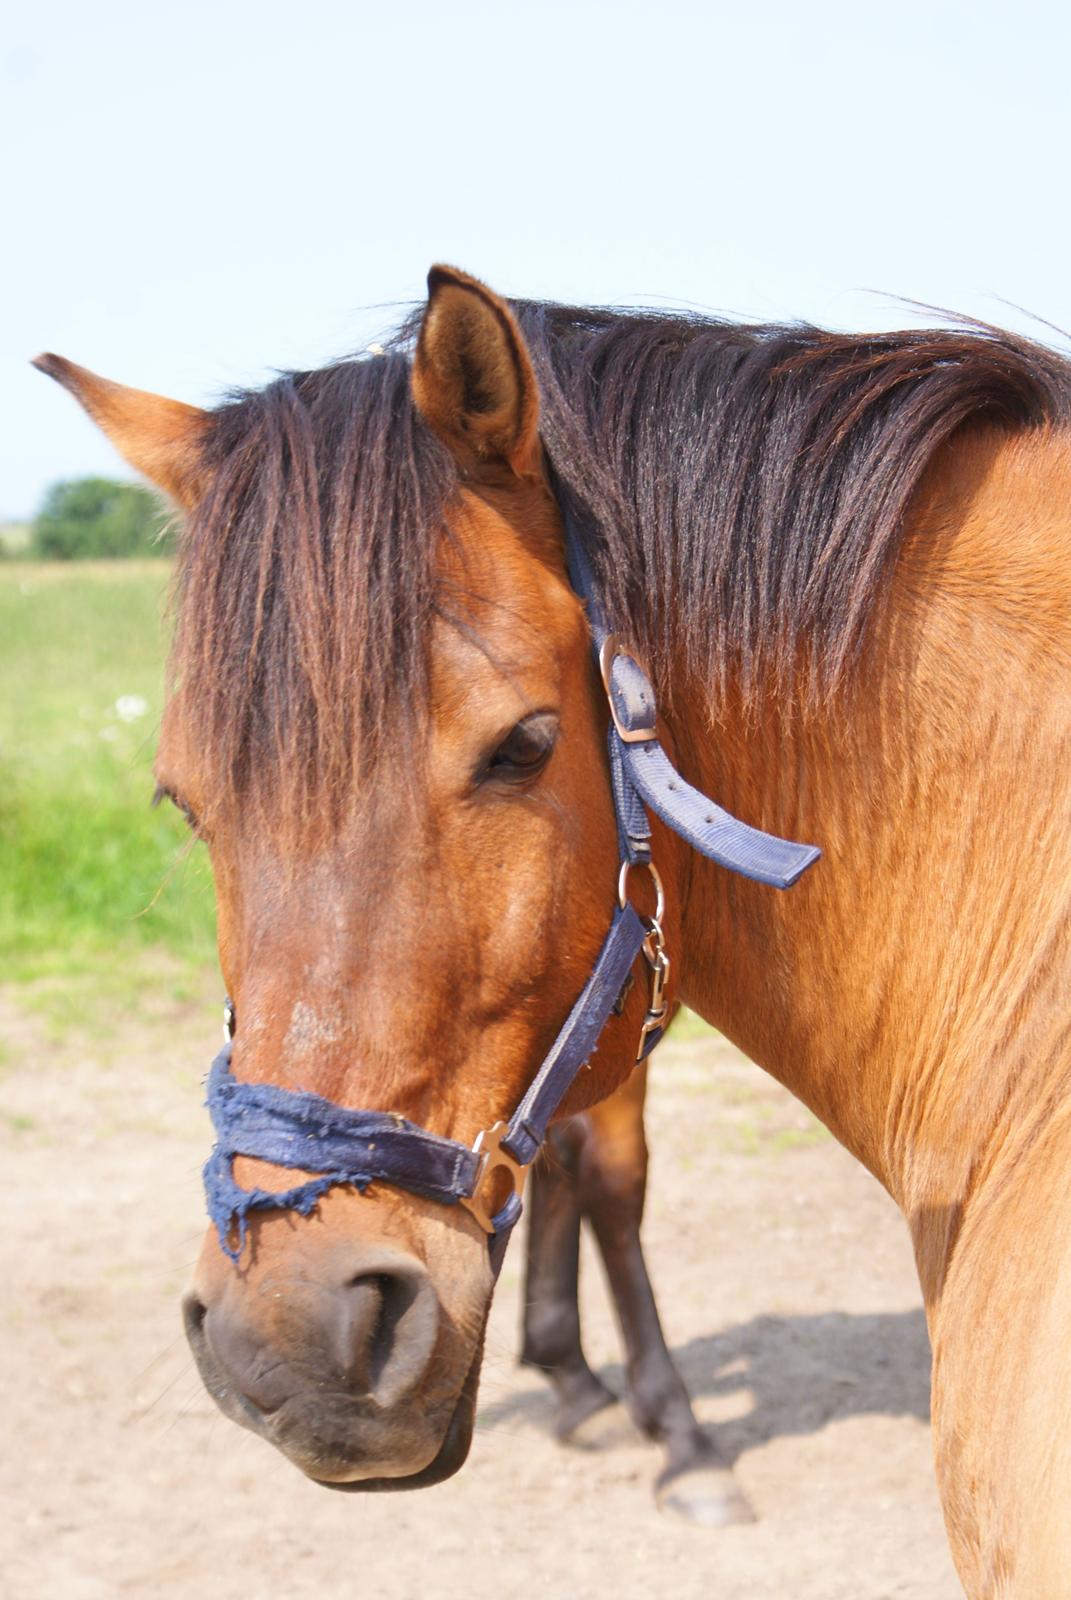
(194, 196)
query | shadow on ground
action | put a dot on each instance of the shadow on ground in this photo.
(801, 1373)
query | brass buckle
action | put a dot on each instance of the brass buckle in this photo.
(488, 1147)
(609, 650)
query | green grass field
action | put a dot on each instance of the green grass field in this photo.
(92, 879)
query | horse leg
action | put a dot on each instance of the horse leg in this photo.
(694, 1482)
(551, 1335)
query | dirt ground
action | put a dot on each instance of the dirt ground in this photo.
(787, 1287)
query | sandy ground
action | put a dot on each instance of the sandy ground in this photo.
(788, 1293)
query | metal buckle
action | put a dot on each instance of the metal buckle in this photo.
(654, 950)
(654, 953)
(609, 651)
(488, 1146)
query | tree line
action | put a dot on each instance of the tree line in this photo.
(90, 518)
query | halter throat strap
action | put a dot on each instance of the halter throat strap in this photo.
(342, 1146)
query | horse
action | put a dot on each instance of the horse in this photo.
(595, 1169)
(842, 561)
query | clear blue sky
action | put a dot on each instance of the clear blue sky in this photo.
(195, 194)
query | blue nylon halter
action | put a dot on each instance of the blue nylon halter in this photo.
(299, 1130)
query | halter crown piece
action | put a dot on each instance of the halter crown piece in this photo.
(342, 1146)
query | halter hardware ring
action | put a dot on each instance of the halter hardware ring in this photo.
(609, 651)
(656, 879)
(493, 1158)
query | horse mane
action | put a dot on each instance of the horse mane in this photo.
(743, 489)
(306, 584)
(746, 486)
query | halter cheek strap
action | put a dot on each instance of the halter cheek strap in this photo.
(341, 1146)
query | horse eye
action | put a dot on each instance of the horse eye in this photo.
(526, 747)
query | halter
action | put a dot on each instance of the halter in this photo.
(297, 1129)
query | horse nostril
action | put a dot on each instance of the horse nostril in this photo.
(395, 1296)
(386, 1325)
(193, 1315)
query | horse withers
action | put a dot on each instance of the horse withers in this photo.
(843, 560)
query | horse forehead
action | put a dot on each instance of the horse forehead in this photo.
(492, 668)
(503, 579)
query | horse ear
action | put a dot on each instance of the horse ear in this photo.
(160, 438)
(472, 377)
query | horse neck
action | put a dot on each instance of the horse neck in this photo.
(912, 989)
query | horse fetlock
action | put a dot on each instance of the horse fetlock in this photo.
(659, 1403)
(580, 1394)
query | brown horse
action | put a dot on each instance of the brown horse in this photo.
(595, 1168)
(845, 562)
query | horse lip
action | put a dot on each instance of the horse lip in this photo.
(230, 1400)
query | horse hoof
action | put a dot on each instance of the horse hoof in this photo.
(707, 1497)
(606, 1426)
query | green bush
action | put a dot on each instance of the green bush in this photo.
(94, 517)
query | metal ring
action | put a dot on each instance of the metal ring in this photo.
(660, 893)
(493, 1158)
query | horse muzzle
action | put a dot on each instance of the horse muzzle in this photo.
(357, 1379)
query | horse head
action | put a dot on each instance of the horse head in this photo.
(385, 724)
